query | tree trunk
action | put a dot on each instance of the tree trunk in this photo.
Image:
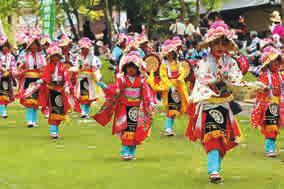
(108, 19)
(197, 13)
(184, 13)
(78, 20)
(68, 13)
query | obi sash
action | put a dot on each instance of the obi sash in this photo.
(272, 115)
(128, 135)
(174, 101)
(57, 106)
(132, 94)
(215, 123)
(5, 87)
(84, 89)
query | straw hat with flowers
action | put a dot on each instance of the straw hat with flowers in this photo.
(219, 30)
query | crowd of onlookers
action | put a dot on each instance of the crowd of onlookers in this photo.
(249, 42)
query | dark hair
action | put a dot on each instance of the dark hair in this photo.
(5, 45)
(279, 59)
(131, 64)
(175, 55)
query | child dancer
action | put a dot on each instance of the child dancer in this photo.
(88, 74)
(172, 85)
(7, 67)
(31, 65)
(266, 113)
(211, 118)
(129, 100)
(55, 89)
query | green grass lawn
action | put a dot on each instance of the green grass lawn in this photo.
(87, 156)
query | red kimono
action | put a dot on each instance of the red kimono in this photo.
(266, 114)
(130, 104)
(52, 93)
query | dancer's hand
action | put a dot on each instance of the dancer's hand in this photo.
(67, 90)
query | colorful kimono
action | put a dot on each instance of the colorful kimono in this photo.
(129, 100)
(211, 97)
(266, 114)
(211, 119)
(33, 65)
(86, 91)
(53, 96)
(7, 64)
(173, 89)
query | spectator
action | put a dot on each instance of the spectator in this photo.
(242, 30)
(189, 28)
(254, 45)
(178, 28)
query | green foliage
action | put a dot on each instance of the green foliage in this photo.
(108, 75)
(84, 7)
(213, 5)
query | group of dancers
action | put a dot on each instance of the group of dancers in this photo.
(50, 77)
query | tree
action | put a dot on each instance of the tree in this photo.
(77, 7)
(184, 13)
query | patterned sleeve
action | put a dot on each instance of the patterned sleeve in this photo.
(233, 74)
(204, 74)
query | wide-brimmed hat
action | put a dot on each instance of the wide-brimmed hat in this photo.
(131, 43)
(218, 30)
(132, 57)
(33, 39)
(54, 49)
(168, 46)
(275, 16)
(177, 41)
(269, 54)
(64, 41)
(85, 43)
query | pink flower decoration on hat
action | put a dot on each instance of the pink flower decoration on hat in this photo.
(131, 42)
(85, 43)
(21, 38)
(134, 57)
(219, 28)
(168, 41)
(269, 54)
(168, 46)
(3, 40)
(177, 41)
(54, 49)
